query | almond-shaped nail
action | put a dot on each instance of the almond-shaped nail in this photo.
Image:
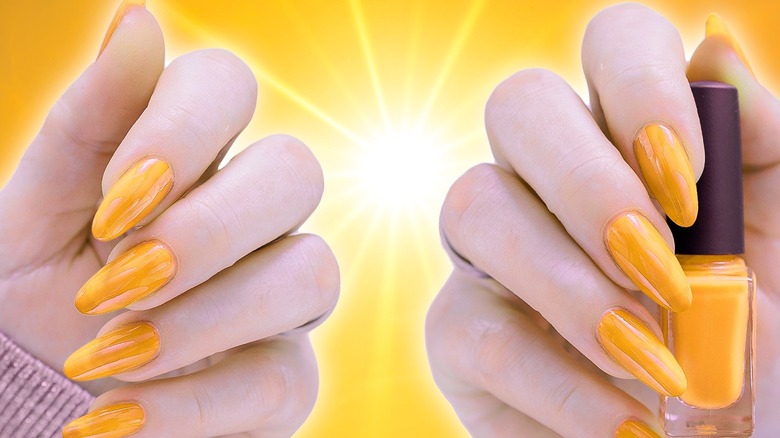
(716, 27)
(122, 349)
(634, 429)
(118, 16)
(132, 197)
(668, 172)
(641, 252)
(632, 345)
(137, 273)
(112, 421)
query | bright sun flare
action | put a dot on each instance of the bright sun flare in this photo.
(401, 170)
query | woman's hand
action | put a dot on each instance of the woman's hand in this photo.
(202, 257)
(536, 334)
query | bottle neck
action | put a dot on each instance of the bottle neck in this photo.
(721, 264)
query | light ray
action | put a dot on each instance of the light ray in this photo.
(457, 47)
(262, 75)
(358, 15)
(313, 42)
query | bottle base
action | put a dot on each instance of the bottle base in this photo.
(681, 420)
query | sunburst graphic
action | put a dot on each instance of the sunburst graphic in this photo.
(390, 97)
(381, 115)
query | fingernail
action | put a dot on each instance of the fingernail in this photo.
(134, 195)
(716, 27)
(668, 172)
(137, 273)
(641, 252)
(634, 429)
(120, 350)
(112, 421)
(631, 344)
(118, 16)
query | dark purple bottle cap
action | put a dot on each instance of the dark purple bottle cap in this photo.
(719, 226)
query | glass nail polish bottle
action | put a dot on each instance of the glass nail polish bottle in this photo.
(714, 340)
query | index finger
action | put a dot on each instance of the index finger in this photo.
(635, 67)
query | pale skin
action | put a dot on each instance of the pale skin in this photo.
(249, 285)
(516, 351)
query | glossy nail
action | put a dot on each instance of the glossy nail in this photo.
(631, 344)
(117, 351)
(641, 252)
(634, 429)
(668, 172)
(716, 28)
(136, 274)
(118, 16)
(134, 195)
(112, 421)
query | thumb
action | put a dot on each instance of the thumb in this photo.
(50, 200)
(720, 58)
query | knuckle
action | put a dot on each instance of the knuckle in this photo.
(583, 168)
(219, 220)
(522, 88)
(205, 409)
(319, 268)
(660, 76)
(295, 163)
(468, 199)
(275, 386)
(230, 68)
(501, 347)
(61, 123)
(181, 119)
(565, 398)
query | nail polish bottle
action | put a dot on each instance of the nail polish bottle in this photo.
(714, 340)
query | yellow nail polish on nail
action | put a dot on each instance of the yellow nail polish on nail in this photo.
(634, 429)
(631, 344)
(716, 27)
(641, 252)
(112, 421)
(137, 273)
(118, 15)
(134, 195)
(668, 172)
(120, 350)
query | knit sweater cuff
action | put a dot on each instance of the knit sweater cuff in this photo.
(35, 400)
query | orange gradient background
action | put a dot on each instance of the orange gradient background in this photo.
(389, 95)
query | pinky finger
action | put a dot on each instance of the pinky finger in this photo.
(268, 390)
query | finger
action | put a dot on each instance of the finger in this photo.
(57, 184)
(539, 128)
(495, 222)
(266, 191)
(271, 291)
(648, 108)
(491, 355)
(268, 389)
(720, 58)
(202, 101)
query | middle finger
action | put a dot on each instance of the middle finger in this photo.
(539, 128)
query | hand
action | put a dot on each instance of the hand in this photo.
(202, 257)
(563, 229)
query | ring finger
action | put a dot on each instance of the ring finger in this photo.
(271, 291)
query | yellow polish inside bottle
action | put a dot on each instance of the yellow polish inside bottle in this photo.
(713, 342)
(710, 337)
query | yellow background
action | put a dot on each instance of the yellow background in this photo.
(389, 95)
